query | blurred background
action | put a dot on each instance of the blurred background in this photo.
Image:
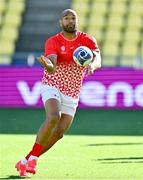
(111, 100)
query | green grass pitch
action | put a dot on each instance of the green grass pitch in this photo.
(77, 157)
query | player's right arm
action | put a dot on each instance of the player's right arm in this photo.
(49, 62)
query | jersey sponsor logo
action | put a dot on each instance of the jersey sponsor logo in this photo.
(63, 48)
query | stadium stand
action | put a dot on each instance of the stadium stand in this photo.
(39, 22)
(10, 21)
(117, 26)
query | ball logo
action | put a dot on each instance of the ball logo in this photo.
(83, 56)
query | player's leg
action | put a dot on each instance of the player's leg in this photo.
(68, 109)
(63, 125)
(52, 107)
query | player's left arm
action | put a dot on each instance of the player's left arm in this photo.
(96, 63)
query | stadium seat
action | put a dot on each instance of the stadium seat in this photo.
(7, 47)
(9, 33)
(132, 36)
(118, 8)
(16, 6)
(97, 33)
(12, 19)
(96, 22)
(5, 59)
(6, 51)
(116, 22)
(1, 18)
(136, 7)
(134, 22)
(110, 49)
(2, 5)
(130, 49)
(113, 35)
(99, 7)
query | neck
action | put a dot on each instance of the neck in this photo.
(69, 35)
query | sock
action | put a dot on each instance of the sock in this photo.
(33, 157)
(28, 155)
(24, 161)
(36, 151)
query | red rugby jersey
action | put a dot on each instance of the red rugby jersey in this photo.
(68, 76)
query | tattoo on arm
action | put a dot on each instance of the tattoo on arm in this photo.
(53, 58)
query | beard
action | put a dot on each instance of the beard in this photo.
(69, 28)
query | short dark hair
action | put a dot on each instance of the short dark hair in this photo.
(68, 11)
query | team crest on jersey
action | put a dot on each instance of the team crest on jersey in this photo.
(62, 48)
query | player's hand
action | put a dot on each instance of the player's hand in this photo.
(46, 63)
(90, 69)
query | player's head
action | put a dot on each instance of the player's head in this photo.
(69, 21)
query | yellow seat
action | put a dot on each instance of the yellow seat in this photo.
(9, 33)
(7, 47)
(96, 22)
(130, 49)
(12, 19)
(101, 1)
(134, 21)
(116, 21)
(110, 49)
(99, 8)
(1, 18)
(118, 8)
(110, 52)
(16, 6)
(2, 5)
(97, 33)
(136, 7)
(80, 5)
(5, 59)
(132, 36)
(113, 35)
